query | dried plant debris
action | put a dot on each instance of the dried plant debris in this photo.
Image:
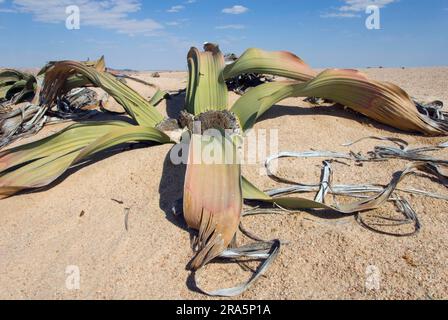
(318, 101)
(230, 58)
(242, 83)
(21, 122)
(380, 224)
(77, 104)
(74, 100)
(27, 119)
(267, 251)
(175, 93)
(429, 165)
(403, 151)
(432, 109)
(5, 108)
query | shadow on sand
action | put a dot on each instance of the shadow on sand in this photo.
(171, 191)
(336, 110)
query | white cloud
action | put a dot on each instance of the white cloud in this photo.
(339, 15)
(235, 10)
(361, 5)
(231, 40)
(107, 14)
(351, 7)
(231, 26)
(178, 23)
(3, 10)
(6, 10)
(175, 9)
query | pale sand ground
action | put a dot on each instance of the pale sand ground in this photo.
(42, 233)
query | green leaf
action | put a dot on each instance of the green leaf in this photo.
(40, 163)
(279, 63)
(13, 82)
(251, 192)
(120, 136)
(257, 101)
(58, 82)
(74, 137)
(380, 101)
(158, 97)
(207, 90)
(10, 76)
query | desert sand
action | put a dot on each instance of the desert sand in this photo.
(77, 222)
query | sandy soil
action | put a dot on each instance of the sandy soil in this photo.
(76, 222)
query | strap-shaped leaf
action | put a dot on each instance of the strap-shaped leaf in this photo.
(251, 192)
(158, 97)
(279, 63)
(98, 65)
(380, 101)
(73, 138)
(206, 89)
(257, 101)
(40, 163)
(57, 77)
(116, 137)
(212, 195)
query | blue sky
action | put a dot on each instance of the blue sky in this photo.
(156, 35)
